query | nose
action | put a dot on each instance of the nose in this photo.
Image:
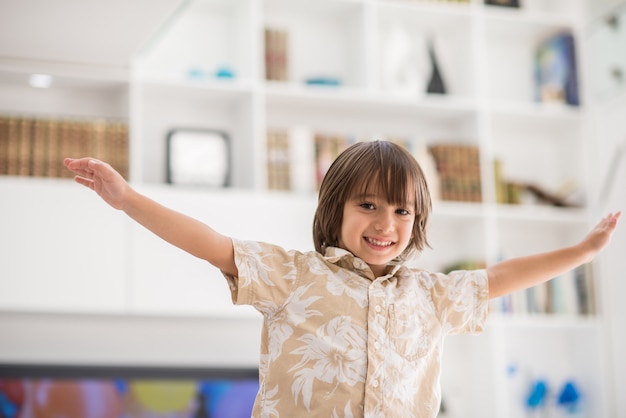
(384, 221)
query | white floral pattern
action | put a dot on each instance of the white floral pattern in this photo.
(338, 342)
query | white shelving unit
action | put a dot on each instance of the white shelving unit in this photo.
(485, 54)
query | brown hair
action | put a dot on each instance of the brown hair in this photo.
(378, 165)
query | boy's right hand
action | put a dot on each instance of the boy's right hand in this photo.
(100, 177)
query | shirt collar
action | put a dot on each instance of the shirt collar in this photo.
(344, 258)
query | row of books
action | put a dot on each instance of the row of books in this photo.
(570, 294)
(298, 159)
(36, 147)
(458, 169)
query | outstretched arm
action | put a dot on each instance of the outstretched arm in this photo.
(524, 272)
(180, 230)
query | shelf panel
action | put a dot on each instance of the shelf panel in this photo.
(544, 322)
(437, 106)
(542, 214)
(228, 91)
(75, 91)
(361, 113)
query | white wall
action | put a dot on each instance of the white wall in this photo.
(610, 124)
(119, 340)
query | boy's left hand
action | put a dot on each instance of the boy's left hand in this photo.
(600, 236)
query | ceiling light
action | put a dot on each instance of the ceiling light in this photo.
(42, 81)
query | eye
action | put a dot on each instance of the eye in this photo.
(367, 205)
(401, 211)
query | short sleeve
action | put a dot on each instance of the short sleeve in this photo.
(462, 300)
(266, 275)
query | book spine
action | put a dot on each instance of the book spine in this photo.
(4, 145)
(40, 148)
(55, 156)
(24, 167)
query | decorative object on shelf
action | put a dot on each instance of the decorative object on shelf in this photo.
(35, 147)
(276, 54)
(225, 73)
(505, 3)
(323, 81)
(436, 84)
(569, 399)
(198, 157)
(537, 395)
(221, 73)
(404, 65)
(519, 192)
(556, 74)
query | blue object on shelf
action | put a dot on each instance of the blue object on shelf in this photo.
(195, 73)
(323, 81)
(225, 72)
(569, 398)
(538, 394)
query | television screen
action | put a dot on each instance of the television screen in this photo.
(114, 392)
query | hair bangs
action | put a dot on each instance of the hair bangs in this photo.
(388, 173)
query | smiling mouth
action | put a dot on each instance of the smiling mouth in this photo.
(378, 243)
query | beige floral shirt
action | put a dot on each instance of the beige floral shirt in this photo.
(339, 343)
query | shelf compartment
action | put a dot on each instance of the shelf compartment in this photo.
(164, 107)
(511, 40)
(201, 39)
(325, 39)
(404, 31)
(542, 150)
(554, 354)
(454, 240)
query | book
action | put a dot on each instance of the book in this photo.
(25, 147)
(327, 149)
(278, 167)
(4, 145)
(13, 147)
(556, 73)
(40, 148)
(54, 156)
(276, 44)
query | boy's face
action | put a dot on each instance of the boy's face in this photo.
(376, 231)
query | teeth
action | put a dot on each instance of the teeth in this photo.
(379, 243)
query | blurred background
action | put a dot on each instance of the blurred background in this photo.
(231, 111)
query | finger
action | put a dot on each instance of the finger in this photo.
(80, 166)
(84, 181)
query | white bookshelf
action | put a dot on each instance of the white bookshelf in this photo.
(485, 55)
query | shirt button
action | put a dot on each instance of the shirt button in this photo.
(375, 383)
(377, 345)
(378, 308)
